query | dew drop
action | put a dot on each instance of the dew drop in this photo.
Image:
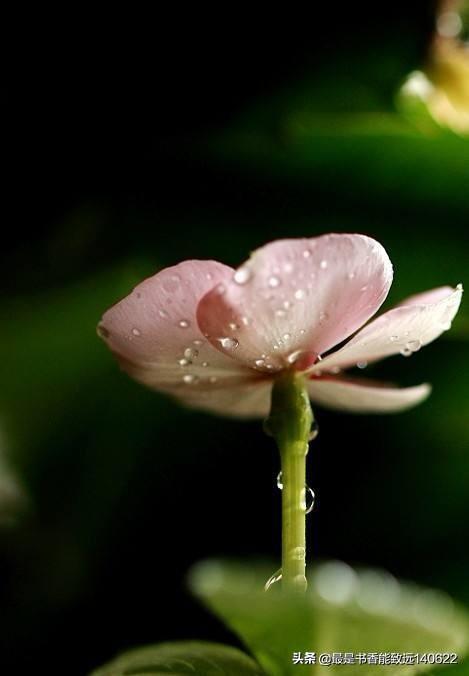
(242, 275)
(302, 332)
(208, 276)
(306, 253)
(228, 343)
(314, 431)
(246, 321)
(184, 362)
(190, 353)
(362, 364)
(136, 332)
(198, 342)
(286, 336)
(287, 304)
(299, 294)
(309, 500)
(273, 282)
(364, 288)
(205, 364)
(184, 324)
(393, 338)
(414, 345)
(323, 316)
(162, 313)
(273, 579)
(260, 362)
(233, 326)
(220, 289)
(102, 331)
(323, 264)
(280, 313)
(190, 379)
(351, 275)
(406, 351)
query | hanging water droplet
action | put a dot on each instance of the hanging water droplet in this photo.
(279, 481)
(273, 579)
(323, 264)
(459, 286)
(414, 345)
(309, 498)
(293, 356)
(405, 351)
(184, 362)
(393, 338)
(102, 331)
(184, 323)
(260, 362)
(242, 275)
(228, 343)
(190, 353)
(362, 364)
(314, 431)
(190, 379)
(273, 281)
(299, 294)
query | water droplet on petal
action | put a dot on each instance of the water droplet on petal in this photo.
(260, 362)
(208, 275)
(273, 282)
(286, 304)
(323, 316)
(228, 343)
(205, 364)
(162, 313)
(323, 264)
(280, 313)
(198, 342)
(299, 294)
(414, 345)
(306, 253)
(136, 332)
(190, 379)
(102, 331)
(190, 353)
(405, 351)
(302, 332)
(273, 579)
(288, 267)
(184, 362)
(364, 288)
(246, 321)
(351, 275)
(393, 338)
(286, 336)
(233, 326)
(459, 287)
(242, 275)
(184, 323)
(362, 364)
(220, 289)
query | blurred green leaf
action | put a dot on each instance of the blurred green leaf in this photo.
(343, 611)
(189, 657)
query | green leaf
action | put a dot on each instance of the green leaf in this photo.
(188, 657)
(343, 611)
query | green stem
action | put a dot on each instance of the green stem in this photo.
(290, 423)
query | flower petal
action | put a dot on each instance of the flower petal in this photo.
(403, 329)
(155, 335)
(296, 296)
(251, 400)
(362, 397)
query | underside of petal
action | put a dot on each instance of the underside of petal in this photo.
(155, 335)
(403, 329)
(296, 298)
(243, 401)
(360, 396)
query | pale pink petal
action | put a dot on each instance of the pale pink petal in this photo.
(296, 296)
(155, 335)
(236, 401)
(403, 330)
(362, 397)
(427, 297)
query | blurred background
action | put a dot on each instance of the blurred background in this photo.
(130, 148)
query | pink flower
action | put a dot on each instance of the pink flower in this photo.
(216, 338)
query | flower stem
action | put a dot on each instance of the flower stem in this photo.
(290, 423)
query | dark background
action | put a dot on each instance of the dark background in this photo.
(132, 148)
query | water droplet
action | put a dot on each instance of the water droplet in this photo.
(190, 379)
(459, 287)
(306, 253)
(190, 353)
(414, 345)
(273, 282)
(242, 275)
(364, 288)
(198, 342)
(102, 331)
(323, 264)
(208, 275)
(205, 364)
(309, 500)
(136, 332)
(351, 275)
(286, 336)
(314, 431)
(184, 362)
(279, 481)
(273, 579)
(184, 323)
(299, 294)
(233, 326)
(163, 314)
(260, 362)
(406, 351)
(220, 289)
(287, 304)
(212, 379)
(302, 332)
(280, 313)
(393, 338)
(362, 364)
(228, 343)
(323, 316)
(298, 553)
